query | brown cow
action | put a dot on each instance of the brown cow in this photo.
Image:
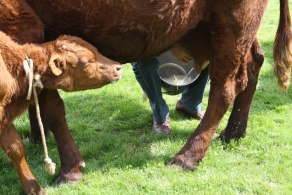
(135, 30)
(68, 63)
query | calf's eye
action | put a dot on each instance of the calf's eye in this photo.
(84, 63)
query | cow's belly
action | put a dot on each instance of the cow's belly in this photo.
(121, 30)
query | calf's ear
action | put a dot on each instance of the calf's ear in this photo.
(64, 49)
(56, 64)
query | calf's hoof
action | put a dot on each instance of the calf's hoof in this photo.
(74, 178)
(36, 138)
(70, 177)
(40, 191)
(60, 180)
(33, 138)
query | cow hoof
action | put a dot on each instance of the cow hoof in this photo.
(173, 165)
(182, 163)
(225, 136)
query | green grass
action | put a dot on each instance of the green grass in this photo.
(112, 127)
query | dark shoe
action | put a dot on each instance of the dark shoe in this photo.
(179, 108)
(163, 128)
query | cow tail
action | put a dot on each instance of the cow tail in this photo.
(282, 48)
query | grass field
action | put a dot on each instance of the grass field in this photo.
(112, 127)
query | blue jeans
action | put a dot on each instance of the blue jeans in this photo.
(147, 75)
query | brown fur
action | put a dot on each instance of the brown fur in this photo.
(148, 28)
(75, 59)
(6, 81)
(132, 30)
(20, 22)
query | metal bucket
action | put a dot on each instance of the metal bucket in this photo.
(174, 74)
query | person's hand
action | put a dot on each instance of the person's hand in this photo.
(181, 54)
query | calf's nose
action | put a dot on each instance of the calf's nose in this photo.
(118, 68)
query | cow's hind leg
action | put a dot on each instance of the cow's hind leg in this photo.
(225, 85)
(13, 146)
(237, 123)
(54, 119)
(231, 41)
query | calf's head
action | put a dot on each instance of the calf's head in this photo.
(79, 66)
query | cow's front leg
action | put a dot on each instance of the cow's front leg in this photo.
(54, 119)
(237, 123)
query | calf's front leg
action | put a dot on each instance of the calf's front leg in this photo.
(53, 116)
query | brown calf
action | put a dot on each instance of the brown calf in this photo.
(68, 63)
